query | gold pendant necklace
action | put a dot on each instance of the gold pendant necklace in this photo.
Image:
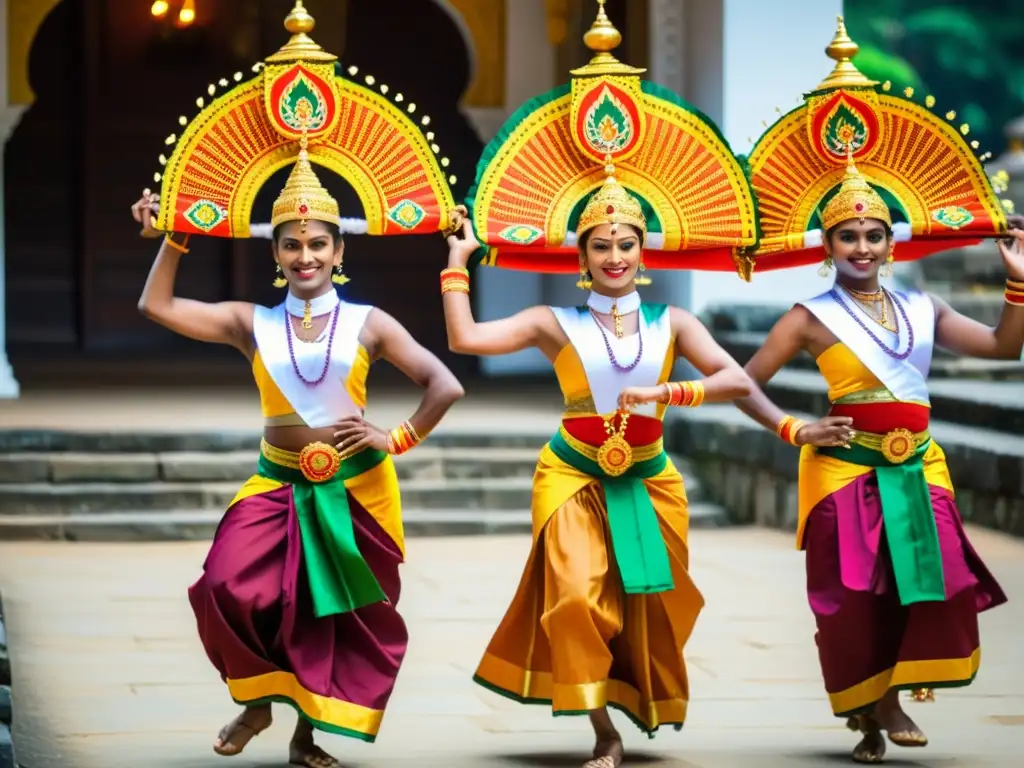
(615, 455)
(307, 316)
(869, 302)
(618, 319)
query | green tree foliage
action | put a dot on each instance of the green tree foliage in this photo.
(968, 54)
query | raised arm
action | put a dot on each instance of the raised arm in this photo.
(228, 322)
(969, 337)
(533, 327)
(387, 339)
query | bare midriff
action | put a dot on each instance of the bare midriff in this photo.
(296, 438)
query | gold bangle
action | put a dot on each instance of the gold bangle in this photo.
(179, 247)
(698, 394)
(788, 427)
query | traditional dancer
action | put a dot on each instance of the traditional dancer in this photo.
(572, 183)
(893, 582)
(606, 603)
(297, 602)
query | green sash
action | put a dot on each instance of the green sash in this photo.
(339, 578)
(636, 537)
(909, 521)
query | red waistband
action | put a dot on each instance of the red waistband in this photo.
(881, 418)
(640, 430)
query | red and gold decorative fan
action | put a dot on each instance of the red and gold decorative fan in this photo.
(237, 142)
(536, 176)
(921, 164)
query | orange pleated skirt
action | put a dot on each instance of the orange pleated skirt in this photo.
(572, 638)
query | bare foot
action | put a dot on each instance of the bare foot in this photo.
(608, 752)
(902, 731)
(871, 748)
(235, 735)
(302, 751)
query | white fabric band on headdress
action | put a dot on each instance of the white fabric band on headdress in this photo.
(348, 226)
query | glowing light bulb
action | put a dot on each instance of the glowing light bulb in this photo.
(159, 9)
(187, 14)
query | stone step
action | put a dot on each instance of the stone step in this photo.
(201, 524)
(977, 264)
(992, 405)
(427, 462)
(476, 492)
(83, 498)
(226, 441)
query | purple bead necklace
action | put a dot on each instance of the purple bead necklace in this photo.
(885, 347)
(289, 332)
(608, 347)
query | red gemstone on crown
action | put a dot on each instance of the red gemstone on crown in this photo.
(859, 207)
(303, 209)
(610, 210)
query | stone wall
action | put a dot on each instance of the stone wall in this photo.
(752, 473)
(6, 705)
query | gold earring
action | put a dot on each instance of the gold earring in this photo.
(584, 282)
(338, 277)
(641, 279)
(887, 270)
(826, 267)
(279, 280)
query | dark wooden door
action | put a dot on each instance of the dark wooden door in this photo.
(111, 83)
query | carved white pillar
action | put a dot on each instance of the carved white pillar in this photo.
(529, 70)
(666, 32)
(9, 116)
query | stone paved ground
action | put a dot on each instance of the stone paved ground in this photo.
(109, 672)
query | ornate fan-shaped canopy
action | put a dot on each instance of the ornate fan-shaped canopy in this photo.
(920, 162)
(238, 141)
(536, 176)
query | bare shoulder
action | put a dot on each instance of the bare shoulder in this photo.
(680, 318)
(939, 303)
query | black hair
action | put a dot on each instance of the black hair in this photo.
(833, 230)
(333, 229)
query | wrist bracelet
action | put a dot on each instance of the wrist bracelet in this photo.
(788, 428)
(179, 247)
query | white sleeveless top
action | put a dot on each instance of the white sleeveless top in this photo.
(604, 381)
(323, 404)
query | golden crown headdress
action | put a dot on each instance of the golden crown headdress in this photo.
(856, 199)
(612, 204)
(304, 197)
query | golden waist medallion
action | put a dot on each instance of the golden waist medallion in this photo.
(319, 462)
(898, 445)
(615, 456)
